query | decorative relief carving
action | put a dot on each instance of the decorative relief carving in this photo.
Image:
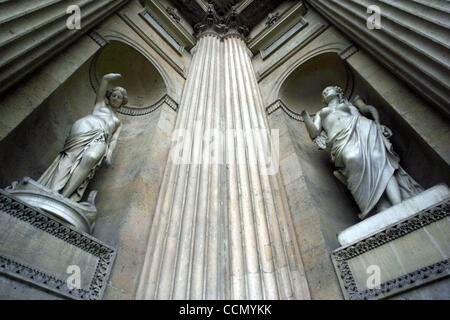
(272, 18)
(144, 111)
(234, 21)
(37, 277)
(341, 256)
(221, 25)
(280, 104)
(210, 20)
(420, 220)
(173, 13)
(9, 266)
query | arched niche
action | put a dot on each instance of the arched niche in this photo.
(142, 80)
(302, 89)
(41, 136)
(128, 190)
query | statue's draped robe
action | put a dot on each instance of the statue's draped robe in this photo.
(59, 173)
(366, 158)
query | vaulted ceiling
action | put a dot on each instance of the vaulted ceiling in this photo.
(251, 15)
(191, 10)
(224, 6)
(258, 10)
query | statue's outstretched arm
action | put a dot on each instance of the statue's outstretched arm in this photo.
(314, 127)
(104, 86)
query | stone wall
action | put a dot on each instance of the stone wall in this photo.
(307, 222)
(320, 205)
(128, 192)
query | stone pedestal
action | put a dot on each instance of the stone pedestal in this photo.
(42, 257)
(395, 214)
(400, 248)
(79, 215)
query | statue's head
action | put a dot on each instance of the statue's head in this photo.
(117, 97)
(332, 92)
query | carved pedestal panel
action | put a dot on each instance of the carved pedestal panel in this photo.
(44, 252)
(405, 254)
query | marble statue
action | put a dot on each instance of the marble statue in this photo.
(92, 139)
(361, 151)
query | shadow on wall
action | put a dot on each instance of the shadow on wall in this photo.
(417, 157)
(35, 143)
(129, 189)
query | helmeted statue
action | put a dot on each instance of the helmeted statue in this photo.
(92, 139)
(361, 151)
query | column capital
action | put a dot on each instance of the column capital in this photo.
(232, 33)
(215, 24)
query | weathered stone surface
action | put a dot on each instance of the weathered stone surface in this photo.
(128, 195)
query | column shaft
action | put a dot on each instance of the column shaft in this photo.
(223, 228)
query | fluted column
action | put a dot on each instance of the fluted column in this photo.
(266, 262)
(222, 228)
(183, 246)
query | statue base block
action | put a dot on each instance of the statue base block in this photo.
(392, 215)
(400, 248)
(41, 257)
(79, 215)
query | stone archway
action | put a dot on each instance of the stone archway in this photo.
(302, 89)
(143, 81)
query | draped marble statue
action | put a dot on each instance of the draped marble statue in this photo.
(361, 151)
(91, 142)
(92, 139)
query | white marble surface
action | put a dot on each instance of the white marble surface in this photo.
(394, 214)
